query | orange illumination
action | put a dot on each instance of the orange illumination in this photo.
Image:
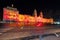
(39, 24)
(14, 15)
(21, 18)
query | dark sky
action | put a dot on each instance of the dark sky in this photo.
(51, 8)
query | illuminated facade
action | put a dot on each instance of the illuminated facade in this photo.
(10, 14)
(13, 14)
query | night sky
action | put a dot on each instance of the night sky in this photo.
(50, 8)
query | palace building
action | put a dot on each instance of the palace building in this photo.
(12, 14)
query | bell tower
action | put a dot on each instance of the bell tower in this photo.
(41, 14)
(35, 13)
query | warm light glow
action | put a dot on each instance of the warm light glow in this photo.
(21, 18)
(31, 19)
(14, 15)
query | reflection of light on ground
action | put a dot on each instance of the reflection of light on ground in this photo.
(27, 31)
(20, 24)
(0, 33)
